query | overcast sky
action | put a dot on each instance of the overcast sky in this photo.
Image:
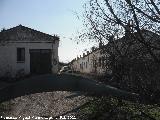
(48, 16)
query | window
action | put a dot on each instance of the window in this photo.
(103, 62)
(20, 54)
(100, 62)
(86, 64)
(95, 63)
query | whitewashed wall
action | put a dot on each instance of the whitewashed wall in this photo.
(8, 57)
(92, 60)
(89, 59)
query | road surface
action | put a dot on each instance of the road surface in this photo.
(63, 82)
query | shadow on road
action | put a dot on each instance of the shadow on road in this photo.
(48, 83)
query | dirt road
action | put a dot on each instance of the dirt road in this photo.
(46, 105)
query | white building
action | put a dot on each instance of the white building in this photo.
(26, 51)
(97, 61)
(94, 62)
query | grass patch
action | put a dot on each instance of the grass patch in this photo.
(109, 108)
(5, 107)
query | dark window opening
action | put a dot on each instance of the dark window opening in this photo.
(103, 64)
(86, 64)
(20, 54)
(100, 62)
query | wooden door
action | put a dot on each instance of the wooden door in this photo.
(40, 61)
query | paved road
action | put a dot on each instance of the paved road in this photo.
(47, 83)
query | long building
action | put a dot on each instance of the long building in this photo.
(97, 60)
(93, 62)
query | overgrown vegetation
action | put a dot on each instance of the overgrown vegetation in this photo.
(130, 31)
(109, 108)
(5, 107)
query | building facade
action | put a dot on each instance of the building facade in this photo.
(97, 61)
(94, 62)
(26, 51)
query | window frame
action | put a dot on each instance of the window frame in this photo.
(20, 55)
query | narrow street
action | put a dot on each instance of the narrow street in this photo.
(52, 95)
(64, 82)
(44, 96)
(47, 83)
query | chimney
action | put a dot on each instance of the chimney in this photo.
(100, 44)
(83, 54)
(87, 52)
(93, 48)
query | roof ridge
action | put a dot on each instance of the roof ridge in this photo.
(20, 25)
(37, 30)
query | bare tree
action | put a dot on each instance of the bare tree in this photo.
(131, 29)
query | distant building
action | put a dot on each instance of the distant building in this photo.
(61, 64)
(26, 51)
(94, 62)
(97, 61)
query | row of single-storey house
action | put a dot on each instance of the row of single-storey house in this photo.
(97, 60)
(92, 62)
(26, 51)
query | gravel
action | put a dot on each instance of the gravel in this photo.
(47, 104)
